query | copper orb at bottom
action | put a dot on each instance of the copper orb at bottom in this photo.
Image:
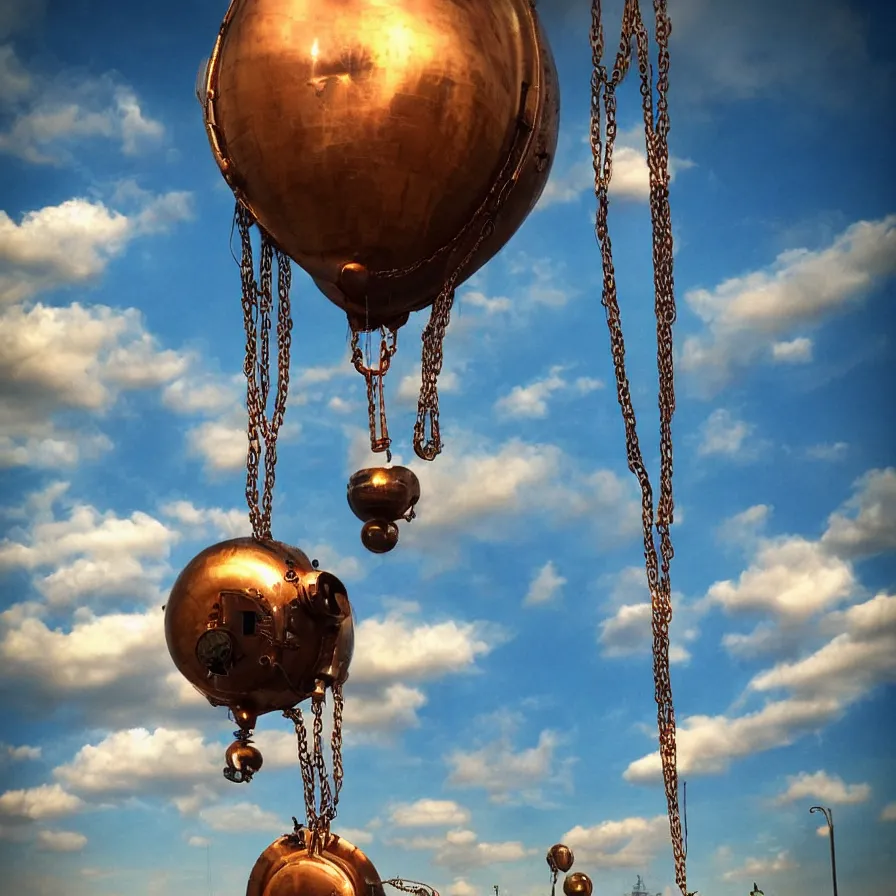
(577, 884)
(378, 497)
(294, 865)
(560, 858)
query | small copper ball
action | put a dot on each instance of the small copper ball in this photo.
(379, 536)
(560, 858)
(577, 884)
(243, 757)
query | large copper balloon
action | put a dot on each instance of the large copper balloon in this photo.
(365, 136)
(294, 865)
(254, 626)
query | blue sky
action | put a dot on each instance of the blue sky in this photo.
(501, 691)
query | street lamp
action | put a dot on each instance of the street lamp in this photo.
(829, 818)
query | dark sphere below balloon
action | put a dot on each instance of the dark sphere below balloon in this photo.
(379, 536)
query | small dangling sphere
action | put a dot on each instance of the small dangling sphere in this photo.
(577, 884)
(560, 858)
(379, 536)
(243, 761)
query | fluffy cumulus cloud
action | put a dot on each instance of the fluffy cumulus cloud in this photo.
(753, 316)
(804, 695)
(627, 843)
(49, 116)
(41, 803)
(61, 841)
(427, 813)
(532, 400)
(820, 786)
(461, 849)
(507, 774)
(866, 524)
(546, 585)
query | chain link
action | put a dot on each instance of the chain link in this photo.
(603, 134)
(321, 798)
(258, 302)
(376, 399)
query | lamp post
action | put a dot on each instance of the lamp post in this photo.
(829, 818)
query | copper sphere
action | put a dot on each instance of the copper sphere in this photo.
(560, 858)
(379, 536)
(253, 626)
(577, 884)
(383, 493)
(242, 761)
(289, 866)
(365, 137)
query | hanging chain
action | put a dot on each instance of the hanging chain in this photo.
(411, 886)
(603, 115)
(321, 799)
(428, 447)
(258, 303)
(376, 399)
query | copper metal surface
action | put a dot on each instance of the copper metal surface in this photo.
(277, 627)
(379, 536)
(560, 858)
(577, 884)
(383, 493)
(288, 867)
(368, 134)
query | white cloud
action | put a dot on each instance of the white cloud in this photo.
(73, 242)
(224, 523)
(50, 115)
(827, 452)
(381, 714)
(19, 753)
(460, 887)
(427, 813)
(888, 813)
(489, 304)
(61, 841)
(531, 401)
(754, 868)
(461, 849)
(724, 435)
(220, 444)
(866, 524)
(629, 632)
(743, 528)
(631, 176)
(546, 585)
(201, 392)
(790, 577)
(747, 315)
(628, 843)
(39, 803)
(796, 351)
(92, 554)
(429, 650)
(137, 759)
(820, 688)
(508, 775)
(829, 789)
(409, 386)
(244, 816)
(199, 842)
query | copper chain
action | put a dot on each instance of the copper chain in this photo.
(258, 303)
(321, 811)
(428, 447)
(603, 118)
(373, 376)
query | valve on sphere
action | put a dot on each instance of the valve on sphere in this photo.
(254, 626)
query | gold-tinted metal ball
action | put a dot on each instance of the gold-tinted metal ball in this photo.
(253, 626)
(379, 536)
(560, 858)
(383, 493)
(243, 761)
(365, 137)
(577, 884)
(288, 868)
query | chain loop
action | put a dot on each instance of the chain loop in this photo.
(603, 135)
(376, 398)
(321, 798)
(258, 303)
